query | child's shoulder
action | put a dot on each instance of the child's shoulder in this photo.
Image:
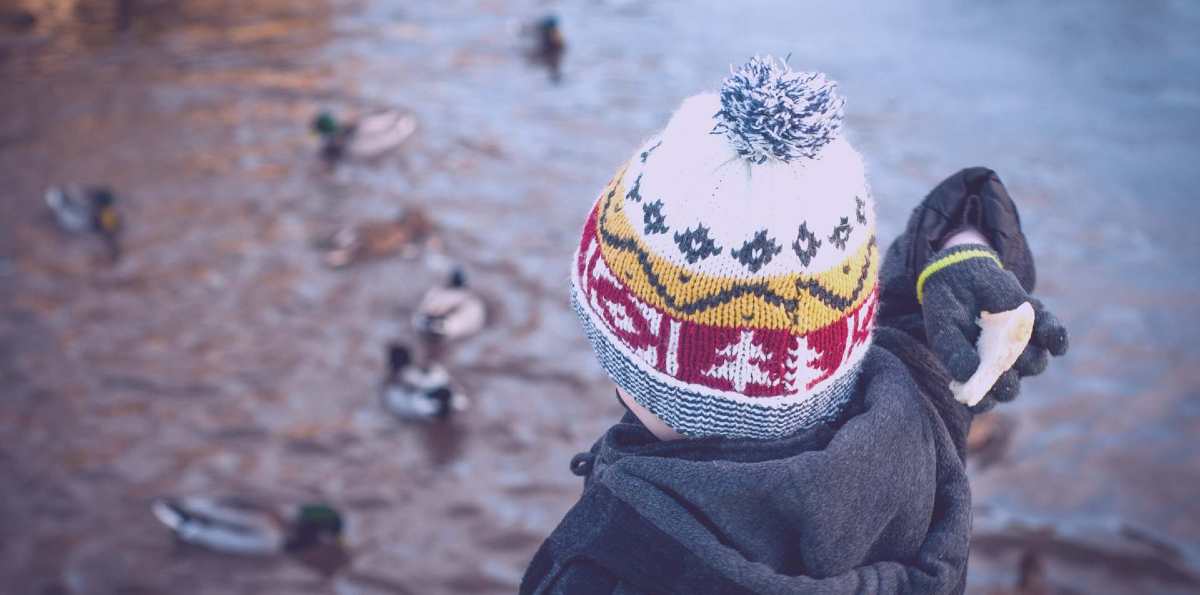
(886, 376)
(930, 378)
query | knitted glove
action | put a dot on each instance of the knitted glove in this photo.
(959, 283)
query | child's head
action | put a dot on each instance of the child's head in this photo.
(726, 275)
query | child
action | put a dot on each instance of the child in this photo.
(791, 427)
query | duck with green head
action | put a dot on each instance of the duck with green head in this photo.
(311, 533)
(371, 136)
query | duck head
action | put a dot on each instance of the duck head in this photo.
(325, 124)
(444, 401)
(399, 357)
(315, 525)
(103, 197)
(548, 25)
(552, 38)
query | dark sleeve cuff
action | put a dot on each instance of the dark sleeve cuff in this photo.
(972, 197)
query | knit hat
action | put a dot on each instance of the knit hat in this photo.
(727, 273)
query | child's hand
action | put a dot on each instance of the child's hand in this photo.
(959, 283)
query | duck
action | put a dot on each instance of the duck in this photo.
(549, 45)
(451, 311)
(311, 533)
(84, 209)
(416, 392)
(369, 240)
(368, 137)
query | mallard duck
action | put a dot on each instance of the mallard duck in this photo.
(418, 392)
(369, 240)
(81, 209)
(370, 136)
(310, 533)
(452, 311)
(548, 45)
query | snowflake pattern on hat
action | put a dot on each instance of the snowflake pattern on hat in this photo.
(757, 252)
(696, 245)
(841, 234)
(653, 217)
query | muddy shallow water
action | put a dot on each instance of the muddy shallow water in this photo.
(219, 355)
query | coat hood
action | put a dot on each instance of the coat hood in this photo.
(874, 502)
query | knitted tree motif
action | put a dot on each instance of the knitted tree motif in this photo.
(740, 363)
(620, 316)
(800, 373)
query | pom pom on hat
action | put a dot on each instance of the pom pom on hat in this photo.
(769, 111)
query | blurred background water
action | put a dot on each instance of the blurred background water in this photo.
(220, 355)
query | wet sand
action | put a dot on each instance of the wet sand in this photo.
(220, 355)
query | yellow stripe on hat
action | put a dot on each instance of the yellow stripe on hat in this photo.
(729, 301)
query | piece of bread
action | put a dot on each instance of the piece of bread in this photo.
(1002, 338)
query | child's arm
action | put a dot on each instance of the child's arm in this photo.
(935, 290)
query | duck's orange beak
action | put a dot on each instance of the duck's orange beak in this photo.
(108, 219)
